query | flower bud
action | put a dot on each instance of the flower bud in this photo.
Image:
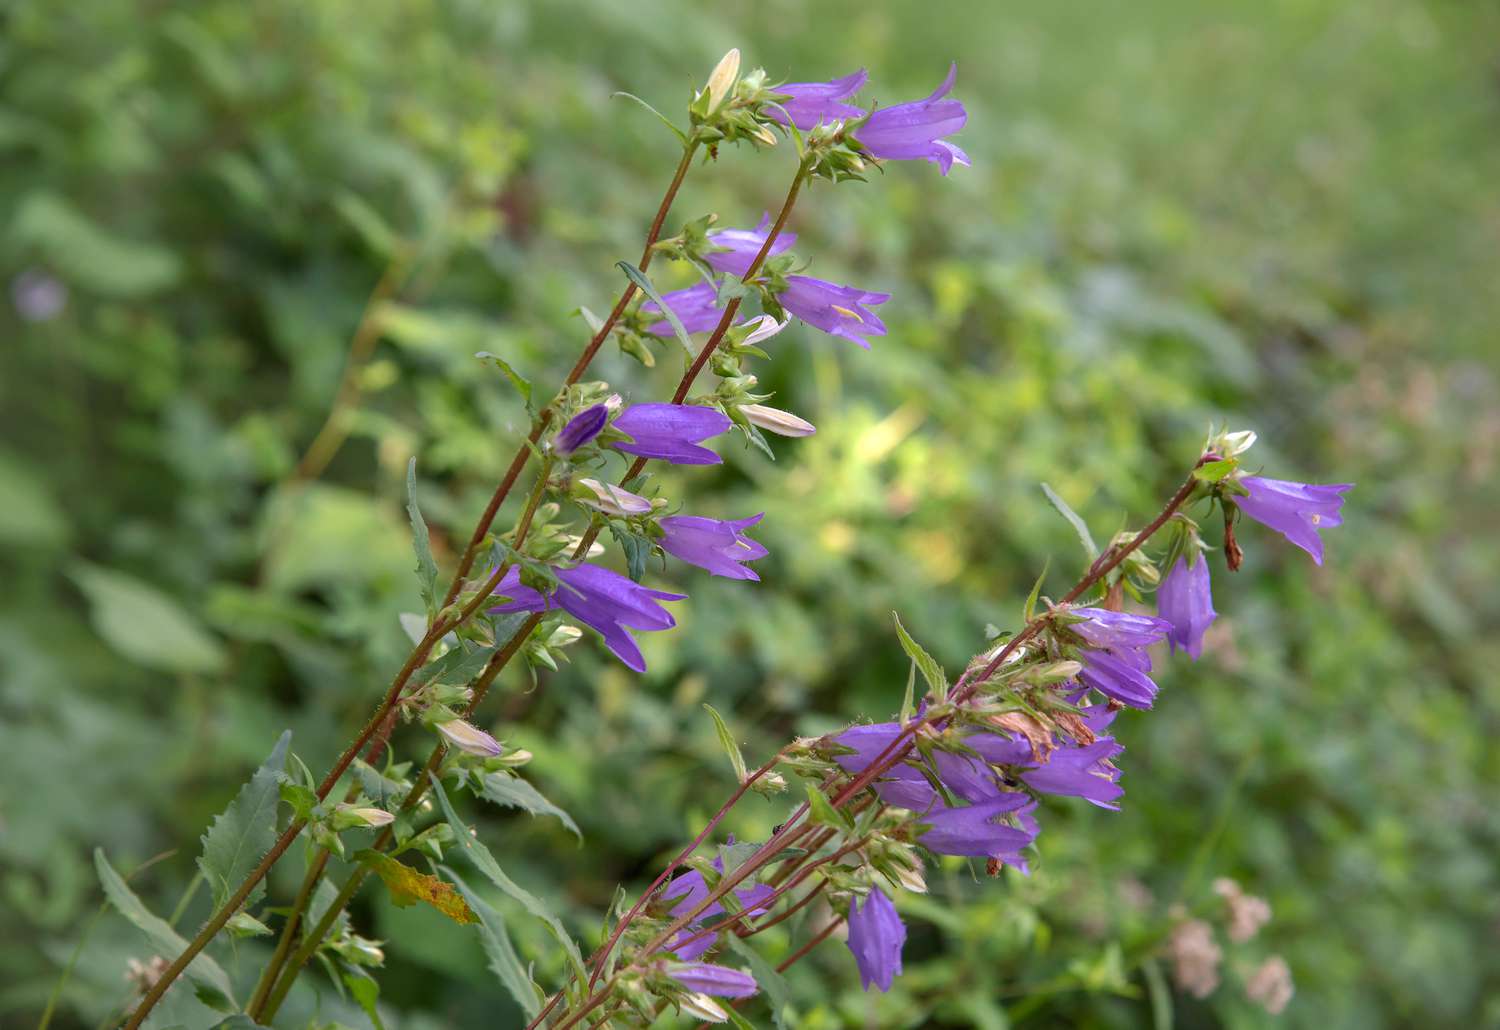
(348, 816)
(723, 79)
(469, 739)
(1231, 445)
(564, 636)
(612, 500)
(774, 420)
(911, 877)
(701, 1006)
(765, 328)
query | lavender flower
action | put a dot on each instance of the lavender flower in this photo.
(714, 544)
(876, 935)
(469, 739)
(692, 889)
(901, 785)
(814, 102)
(581, 428)
(1295, 510)
(1083, 772)
(719, 981)
(1186, 601)
(696, 307)
(604, 600)
(837, 310)
(1119, 668)
(671, 432)
(742, 245)
(774, 420)
(914, 130)
(973, 829)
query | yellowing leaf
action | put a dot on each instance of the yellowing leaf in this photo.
(409, 886)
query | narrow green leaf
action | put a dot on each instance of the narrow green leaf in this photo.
(663, 118)
(931, 671)
(1079, 526)
(638, 277)
(1159, 993)
(822, 812)
(772, 984)
(727, 740)
(520, 382)
(240, 836)
(427, 571)
(510, 790)
(486, 864)
(504, 962)
(1036, 591)
(908, 707)
(207, 976)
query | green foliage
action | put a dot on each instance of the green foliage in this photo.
(240, 836)
(511, 791)
(145, 625)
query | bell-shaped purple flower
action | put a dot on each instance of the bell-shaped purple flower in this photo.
(876, 935)
(975, 830)
(717, 545)
(1083, 772)
(689, 890)
(603, 600)
(581, 428)
(915, 130)
(671, 432)
(1295, 510)
(1119, 666)
(837, 310)
(719, 981)
(742, 245)
(1120, 631)
(696, 307)
(1185, 600)
(814, 102)
(901, 785)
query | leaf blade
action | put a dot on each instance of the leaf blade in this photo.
(1079, 526)
(240, 836)
(421, 540)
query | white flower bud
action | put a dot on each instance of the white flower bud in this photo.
(765, 328)
(774, 420)
(701, 1006)
(469, 739)
(912, 878)
(364, 816)
(723, 79)
(564, 636)
(612, 500)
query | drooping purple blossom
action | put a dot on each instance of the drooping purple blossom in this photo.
(718, 545)
(876, 935)
(603, 600)
(581, 428)
(1080, 771)
(837, 310)
(696, 307)
(975, 830)
(1118, 665)
(689, 891)
(719, 981)
(814, 102)
(901, 785)
(1185, 599)
(1295, 510)
(742, 246)
(671, 432)
(914, 130)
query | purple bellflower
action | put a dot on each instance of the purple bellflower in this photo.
(719, 981)
(581, 428)
(814, 102)
(603, 600)
(717, 545)
(1083, 772)
(913, 131)
(837, 310)
(1119, 667)
(876, 935)
(691, 889)
(973, 830)
(1185, 599)
(741, 247)
(1295, 510)
(901, 785)
(671, 432)
(696, 307)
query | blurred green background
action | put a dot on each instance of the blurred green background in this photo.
(1278, 214)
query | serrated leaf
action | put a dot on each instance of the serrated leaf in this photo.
(206, 975)
(726, 739)
(510, 790)
(661, 117)
(409, 886)
(822, 812)
(366, 992)
(421, 540)
(240, 836)
(640, 279)
(144, 624)
(772, 984)
(931, 671)
(636, 549)
(1079, 526)
(486, 864)
(504, 962)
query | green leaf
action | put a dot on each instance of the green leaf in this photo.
(638, 277)
(1079, 526)
(822, 812)
(504, 962)
(486, 864)
(520, 382)
(908, 706)
(931, 671)
(1213, 471)
(772, 984)
(731, 748)
(663, 118)
(636, 548)
(366, 993)
(206, 975)
(427, 571)
(144, 624)
(87, 255)
(510, 790)
(240, 836)
(365, 220)
(1036, 591)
